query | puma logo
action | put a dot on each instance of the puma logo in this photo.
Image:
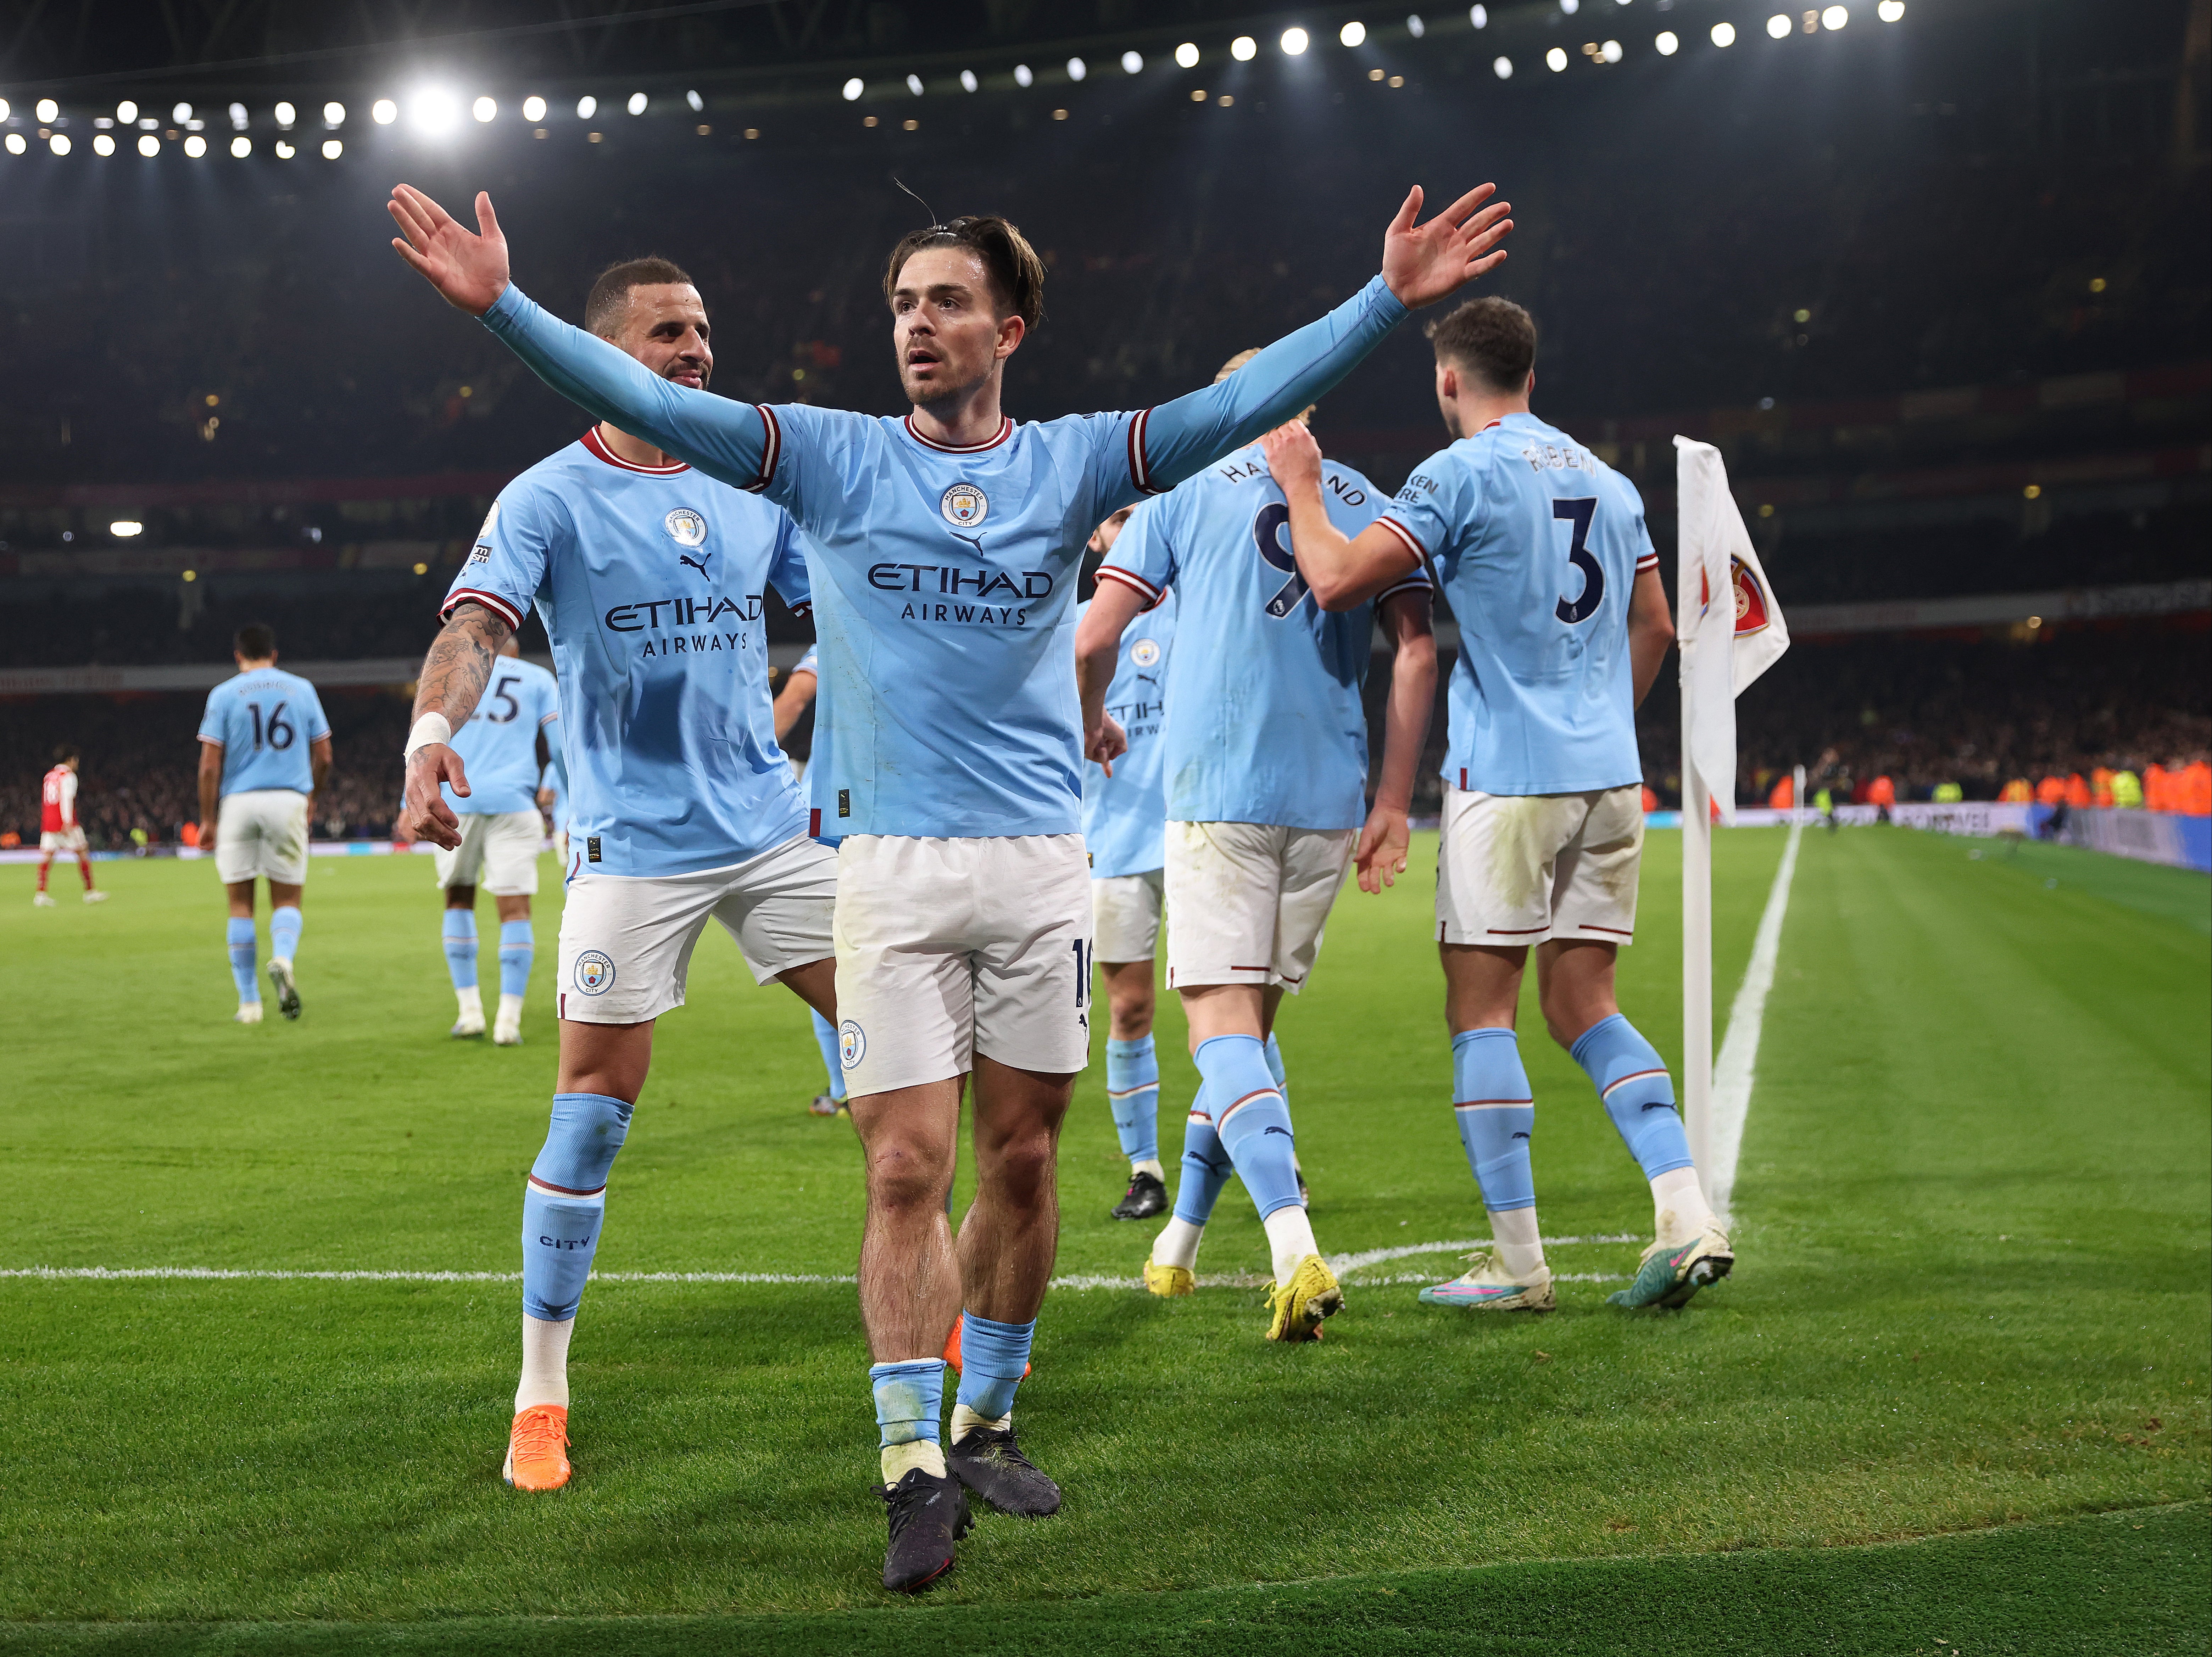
(974, 541)
(1285, 1132)
(698, 563)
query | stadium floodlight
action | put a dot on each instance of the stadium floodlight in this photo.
(104, 145)
(533, 108)
(1503, 68)
(1077, 69)
(60, 143)
(127, 111)
(433, 111)
(588, 106)
(123, 528)
(1479, 16)
(195, 146)
(1187, 55)
(47, 110)
(1556, 59)
(285, 151)
(1667, 44)
(1244, 48)
(237, 113)
(1610, 51)
(967, 82)
(1724, 34)
(1295, 41)
(1890, 11)
(181, 114)
(333, 114)
(484, 109)
(1022, 75)
(1778, 27)
(1571, 6)
(914, 85)
(149, 145)
(383, 111)
(852, 89)
(286, 115)
(332, 149)
(240, 147)
(1415, 27)
(16, 146)
(698, 103)
(1353, 33)
(636, 104)
(1132, 62)
(1834, 17)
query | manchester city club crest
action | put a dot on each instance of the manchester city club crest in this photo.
(964, 506)
(852, 1044)
(1145, 653)
(595, 973)
(686, 526)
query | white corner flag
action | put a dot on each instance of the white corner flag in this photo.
(1725, 645)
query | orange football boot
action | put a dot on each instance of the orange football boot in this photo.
(538, 1449)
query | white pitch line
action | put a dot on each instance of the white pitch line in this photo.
(1733, 1070)
(1344, 1264)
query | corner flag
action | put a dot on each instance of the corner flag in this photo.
(1725, 645)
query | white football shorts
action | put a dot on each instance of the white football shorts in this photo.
(263, 832)
(948, 948)
(62, 840)
(626, 940)
(1125, 916)
(1514, 868)
(498, 851)
(1248, 901)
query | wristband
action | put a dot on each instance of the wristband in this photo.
(430, 728)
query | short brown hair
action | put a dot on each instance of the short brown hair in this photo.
(256, 641)
(1492, 338)
(609, 299)
(1016, 273)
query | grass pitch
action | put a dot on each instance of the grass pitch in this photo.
(1972, 1224)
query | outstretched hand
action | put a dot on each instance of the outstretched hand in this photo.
(1422, 264)
(469, 269)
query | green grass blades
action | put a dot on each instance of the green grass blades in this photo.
(1971, 1228)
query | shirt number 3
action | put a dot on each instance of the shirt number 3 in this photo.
(1579, 514)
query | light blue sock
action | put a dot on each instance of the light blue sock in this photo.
(1497, 1114)
(993, 1357)
(1206, 1165)
(1638, 1095)
(284, 925)
(825, 1037)
(1133, 1089)
(1254, 1124)
(459, 929)
(518, 948)
(240, 936)
(1275, 1069)
(565, 1200)
(910, 1400)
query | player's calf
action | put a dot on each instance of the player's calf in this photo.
(1497, 1116)
(518, 949)
(1170, 1267)
(237, 939)
(457, 934)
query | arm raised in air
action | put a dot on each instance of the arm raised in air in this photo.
(723, 438)
(1421, 265)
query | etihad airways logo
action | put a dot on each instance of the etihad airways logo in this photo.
(994, 595)
(681, 612)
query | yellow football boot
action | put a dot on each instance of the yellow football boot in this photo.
(1168, 1281)
(538, 1449)
(1300, 1305)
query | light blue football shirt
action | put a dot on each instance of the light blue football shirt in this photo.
(943, 576)
(498, 746)
(1125, 816)
(1537, 542)
(651, 583)
(1268, 726)
(263, 721)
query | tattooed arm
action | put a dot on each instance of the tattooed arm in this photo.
(454, 675)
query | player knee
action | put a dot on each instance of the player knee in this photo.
(585, 1132)
(905, 1172)
(1020, 1169)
